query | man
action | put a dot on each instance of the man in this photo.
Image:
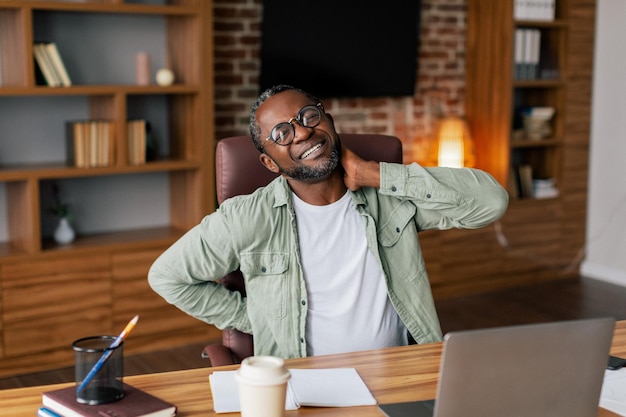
(329, 250)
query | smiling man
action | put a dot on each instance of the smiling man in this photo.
(329, 250)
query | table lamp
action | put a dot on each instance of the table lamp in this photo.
(453, 146)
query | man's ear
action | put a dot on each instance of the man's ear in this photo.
(269, 163)
(330, 117)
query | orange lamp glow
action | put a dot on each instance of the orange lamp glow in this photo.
(453, 145)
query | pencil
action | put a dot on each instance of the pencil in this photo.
(107, 353)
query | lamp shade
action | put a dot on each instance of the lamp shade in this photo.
(453, 146)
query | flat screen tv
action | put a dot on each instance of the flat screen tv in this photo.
(345, 48)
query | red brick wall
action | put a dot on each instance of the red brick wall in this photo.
(440, 80)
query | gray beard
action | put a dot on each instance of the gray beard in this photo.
(311, 174)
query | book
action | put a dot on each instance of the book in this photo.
(45, 65)
(90, 143)
(542, 10)
(136, 403)
(57, 63)
(46, 412)
(136, 142)
(525, 173)
(333, 387)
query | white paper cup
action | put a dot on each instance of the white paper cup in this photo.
(262, 383)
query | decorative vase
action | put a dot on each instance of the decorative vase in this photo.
(64, 233)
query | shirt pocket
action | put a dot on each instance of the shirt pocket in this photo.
(265, 275)
(399, 243)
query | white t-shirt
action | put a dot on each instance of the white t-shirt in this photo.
(348, 306)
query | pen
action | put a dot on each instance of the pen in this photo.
(107, 353)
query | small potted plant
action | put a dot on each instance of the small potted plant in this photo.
(64, 233)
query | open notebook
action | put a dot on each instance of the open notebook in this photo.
(551, 369)
(334, 387)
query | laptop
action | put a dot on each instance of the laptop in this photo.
(552, 369)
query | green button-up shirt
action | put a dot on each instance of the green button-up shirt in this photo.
(258, 234)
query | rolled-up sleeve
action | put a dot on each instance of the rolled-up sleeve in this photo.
(446, 198)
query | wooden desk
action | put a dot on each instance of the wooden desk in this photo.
(393, 375)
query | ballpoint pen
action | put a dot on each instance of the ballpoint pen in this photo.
(107, 353)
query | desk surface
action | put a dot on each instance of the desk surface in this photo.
(393, 375)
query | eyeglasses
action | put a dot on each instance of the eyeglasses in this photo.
(308, 116)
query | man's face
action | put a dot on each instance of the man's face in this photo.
(314, 152)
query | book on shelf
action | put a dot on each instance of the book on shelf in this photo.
(135, 403)
(43, 62)
(543, 10)
(525, 173)
(527, 49)
(48, 59)
(90, 143)
(136, 141)
(545, 188)
(57, 62)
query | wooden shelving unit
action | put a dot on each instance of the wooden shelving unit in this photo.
(51, 295)
(537, 239)
(496, 95)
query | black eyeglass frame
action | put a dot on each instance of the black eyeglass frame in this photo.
(298, 118)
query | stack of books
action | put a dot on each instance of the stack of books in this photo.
(527, 52)
(135, 403)
(534, 10)
(51, 65)
(136, 140)
(545, 188)
(91, 143)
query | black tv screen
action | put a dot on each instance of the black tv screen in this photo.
(345, 48)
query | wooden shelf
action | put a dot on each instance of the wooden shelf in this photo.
(495, 98)
(52, 171)
(126, 240)
(103, 7)
(527, 143)
(97, 90)
(547, 83)
(106, 266)
(551, 229)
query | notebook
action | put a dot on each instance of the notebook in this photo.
(549, 369)
(136, 403)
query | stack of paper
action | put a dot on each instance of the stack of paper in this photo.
(613, 396)
(337, 387)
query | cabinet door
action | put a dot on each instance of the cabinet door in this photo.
(160, 325)
(48, 304)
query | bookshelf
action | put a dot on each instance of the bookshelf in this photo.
(124, 213)
(538, 239)
(498, 95)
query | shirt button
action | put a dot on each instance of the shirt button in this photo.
(263, 269)
(393, 188)
(302, 340)
(303, 302)
(398, 229)
(428, 195)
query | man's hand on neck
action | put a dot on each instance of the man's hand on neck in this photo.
(359, 172)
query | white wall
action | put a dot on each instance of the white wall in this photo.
(606, 222)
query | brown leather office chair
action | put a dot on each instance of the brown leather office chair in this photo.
(239, 171)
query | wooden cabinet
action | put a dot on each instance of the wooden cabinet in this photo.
(499, 95)
(49, 303)
(124, 213)
(537, 239)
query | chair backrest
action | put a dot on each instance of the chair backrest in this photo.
(239, 171)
